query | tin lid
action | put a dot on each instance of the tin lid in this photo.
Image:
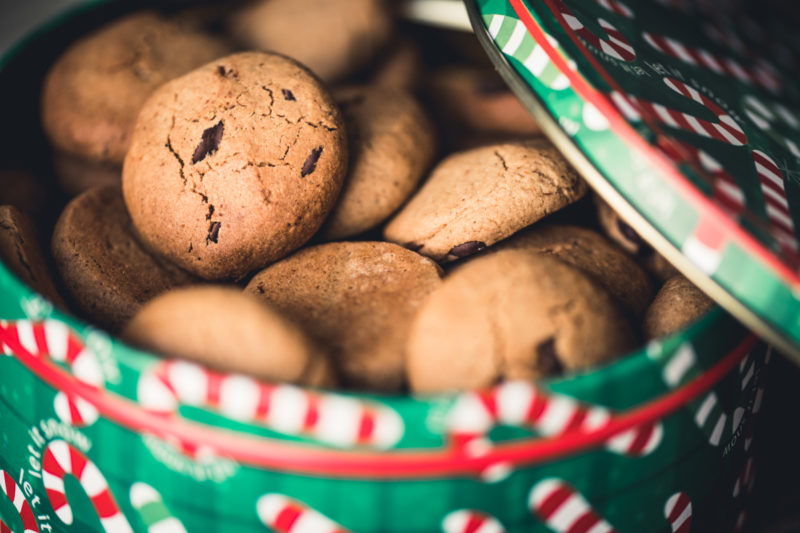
(680, 115)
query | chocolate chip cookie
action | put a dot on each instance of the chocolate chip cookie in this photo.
(475, 198)
(355, 298)
(513, 314)
(677, 304)
(235, 164)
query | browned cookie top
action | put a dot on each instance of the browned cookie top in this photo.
(356, 298)
(235, 164)
(228, 330)
(391, 143)
(677, 304)
(331, 37)
(475, 198)
(21, 253)
(513, 314)
(94, 91)
(594, 255)
(105, 269)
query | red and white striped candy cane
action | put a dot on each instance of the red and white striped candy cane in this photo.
(522, 404)
(286, 515)
(564, 509)
(55, 340)
(23, 508)
(615, 45)
(60, 459)
(746, 479)
(616, 7)
(471, 521)
(725, 129)
(330, 418)
(678, 512)
(755, 74)
(780, 219)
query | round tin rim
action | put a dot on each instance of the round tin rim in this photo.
(659, 163)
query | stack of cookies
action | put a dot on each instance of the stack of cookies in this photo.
(328, 208)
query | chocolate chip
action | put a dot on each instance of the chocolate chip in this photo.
(629, 233)
(213, 232)
(311, 162)
(209, 143)
(467, 248)
(221, 70)
(491, 85)
(413, 246)
(287, 94)
(547, 359)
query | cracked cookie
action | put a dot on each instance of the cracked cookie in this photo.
(235, 164)
(358, 299)
(475, 198)
(94, 91)
(512, 314)
(590, 252)
(677, 304)
(106, 271)
(392, 143)
(228, 330)
(20, 251)
(331, 37)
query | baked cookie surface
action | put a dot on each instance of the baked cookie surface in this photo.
(677, 304)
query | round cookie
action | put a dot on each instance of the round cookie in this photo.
(92, 94)
(677, 304)
(511, 315)
(106, 271)
(228, 330)
(357, 299)
(391, 145)
(478, 99)
(331, 37)
(475, 198)
(21, 253)
(76, 174)
(590, 252)
(235, 164)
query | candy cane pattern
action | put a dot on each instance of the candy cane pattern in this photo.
(470, 521)
(678, 512)
(17, 497)
(155, 514)
(757, 74)
(565, 510)
(285, 515)
(780, 219)
(616, 7)
(522, 404)
(746, 479)
(766, 115)
(330, 418)
(616, 45)
(725, 129)
(55, 340)
(513, 39)
(61, 458)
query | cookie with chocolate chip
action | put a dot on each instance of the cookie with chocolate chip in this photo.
(677, 304)
(392, 144)
(230, 331)
(475, 198)
(235, 164)
(513, 314)
(94, 91)
(355, 298)
(106, 271)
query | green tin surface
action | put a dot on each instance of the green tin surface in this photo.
(98, 437)
(671, 116)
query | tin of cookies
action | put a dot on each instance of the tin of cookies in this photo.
(475, 198)
(357, 299)
(513, 314)
(593, 254)
(677, 304)
(92, 94)
(235, 164)
(228, 330)
(106, 272)
(391, 143)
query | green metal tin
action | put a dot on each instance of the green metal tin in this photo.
(99, 437)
